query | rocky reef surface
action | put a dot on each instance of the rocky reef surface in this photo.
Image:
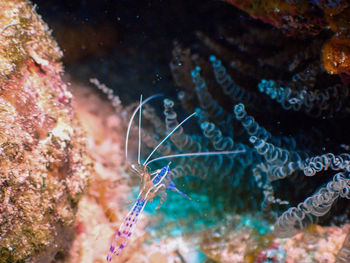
(44, 168)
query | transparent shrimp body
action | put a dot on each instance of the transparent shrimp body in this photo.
(122, 236)
(148, 190)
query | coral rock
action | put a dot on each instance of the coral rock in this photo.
(43, 164)
(336, 54)
(301, 18)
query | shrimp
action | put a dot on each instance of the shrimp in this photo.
(152, 184)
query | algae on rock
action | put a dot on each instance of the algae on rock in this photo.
(43, 165)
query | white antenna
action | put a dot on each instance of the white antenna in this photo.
(198, 154)
(140, 116)
(178, 126)
(132, 118)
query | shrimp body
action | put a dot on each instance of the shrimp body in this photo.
(161, 175)
(122, 236)
(148, 191)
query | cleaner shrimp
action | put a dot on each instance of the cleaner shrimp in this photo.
(152, 183)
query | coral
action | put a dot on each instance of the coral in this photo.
(318, 244)
(44, 166)
(344, 253)
(236, 239)
(336, 54)
(293, 17)
(301, 18)
(24, 37)
(246, 239)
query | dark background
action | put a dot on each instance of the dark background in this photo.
(127, 44)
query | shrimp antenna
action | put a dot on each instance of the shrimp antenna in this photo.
(178, 126)
(198, 154)
(140, 116)
(132, 118)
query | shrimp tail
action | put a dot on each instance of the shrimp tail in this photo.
(121, 238)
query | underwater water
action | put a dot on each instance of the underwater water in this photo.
(266, 83)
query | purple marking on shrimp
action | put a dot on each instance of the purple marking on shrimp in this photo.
(111, 249)
(120, 248)
(127, 224)
(130, 225)
(129, 234)
(118, 234)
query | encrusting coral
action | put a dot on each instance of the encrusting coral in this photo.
(303, 18)
(244, 239)
(44, 166)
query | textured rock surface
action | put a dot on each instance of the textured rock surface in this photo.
(302, 18)
(237, 240)
(43, 165)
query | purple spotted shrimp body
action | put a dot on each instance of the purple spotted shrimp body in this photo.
(163, 172)
(149, 190)
(122, 236)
